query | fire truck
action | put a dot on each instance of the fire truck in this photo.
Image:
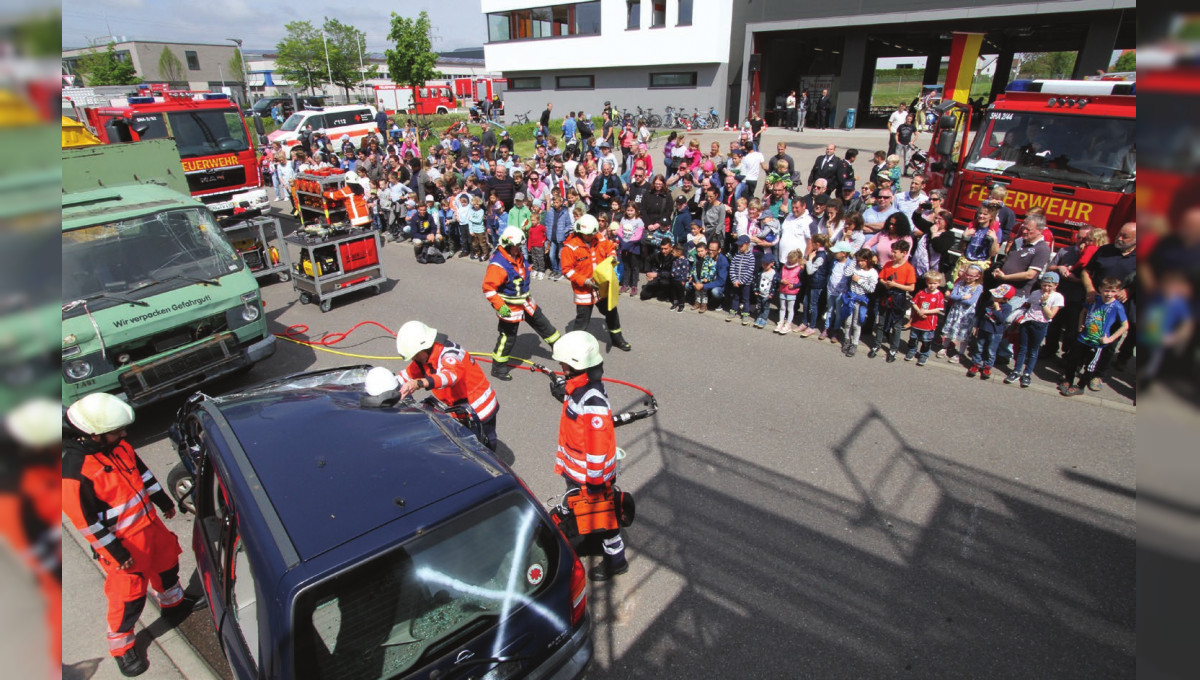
(425, 100)
(214, 144)
(1067, 146)
(1169, 130)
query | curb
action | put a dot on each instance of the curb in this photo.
(178, 651)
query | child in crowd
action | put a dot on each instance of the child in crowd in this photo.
(741, 218)
(1039, 310)
(960, 319)
(898, 279)
(817, 269)
(1101, 327)
(789, 288)
(855, 300)
(989, 331)
(475, 220)
(836, 287)
(927, 305)
(631, 232)
(462, 216)
(768, 279)
(741, 280)
(497, 219)
(892, 170)
(537, 246)
(681, 269)
(697, 240)
(704, 270)
(1167, 324)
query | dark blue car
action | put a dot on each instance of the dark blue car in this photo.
(341, 540)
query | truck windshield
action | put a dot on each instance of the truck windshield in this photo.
(142, 256)
(208, 133)
(1169, 131)
(1086, 151)
(428, 597)
(292, 123)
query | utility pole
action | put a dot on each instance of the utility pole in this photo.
(362, 70)
(328, 68)
(245, 73)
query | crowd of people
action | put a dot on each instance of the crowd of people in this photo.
(730, 230)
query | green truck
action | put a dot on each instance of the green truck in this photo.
(155, 301)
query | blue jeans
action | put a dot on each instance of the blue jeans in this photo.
(925, 338)
(741, 299)
(552, 248)
(764, 311)
(986, 345)
(833, 312)
(715, 295)
(1032, 335)
(812, 302)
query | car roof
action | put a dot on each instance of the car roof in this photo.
(333, 470)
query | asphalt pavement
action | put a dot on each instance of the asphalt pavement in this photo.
(800, 514)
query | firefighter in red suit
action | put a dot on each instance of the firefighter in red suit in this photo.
(581, 253)
(506, 288)
(110, 496)
(587, 443)
(449, 372)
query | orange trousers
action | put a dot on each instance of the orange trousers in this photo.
(155, 551)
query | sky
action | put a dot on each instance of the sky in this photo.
(259, 23)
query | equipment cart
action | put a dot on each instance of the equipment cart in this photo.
(334, 264)
(259, 240)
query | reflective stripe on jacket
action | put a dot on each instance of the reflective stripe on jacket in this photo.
(456, 379)
(587, 443)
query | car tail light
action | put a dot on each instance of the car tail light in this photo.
(578, 592)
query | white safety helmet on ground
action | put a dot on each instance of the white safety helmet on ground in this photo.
(36, 424)
(587, 225)
(511, 236)
(99, 413)
(380, 381)
(578, 349)
(414, 337)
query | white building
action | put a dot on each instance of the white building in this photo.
(648, 53)
(265, 80)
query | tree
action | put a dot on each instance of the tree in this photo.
(1126, 62)
(344, 42)
(235, 67)
(412, 60)
(170, 68)
(300, 56)
(106, 68)
(1047, 65)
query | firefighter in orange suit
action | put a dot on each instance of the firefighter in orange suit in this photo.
(110, 495)
(587, 442)
(450, 373)
(506, 287)
(581, 253)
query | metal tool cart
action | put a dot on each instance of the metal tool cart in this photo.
(335, 263)
(259, 240)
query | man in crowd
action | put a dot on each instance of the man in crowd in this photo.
(894, 122)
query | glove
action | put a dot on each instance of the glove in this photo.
(558, 389)
(504, 311)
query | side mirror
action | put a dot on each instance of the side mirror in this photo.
(947, 122)
(945, 142)
(258, 126)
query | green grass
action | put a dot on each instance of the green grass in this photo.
(903, 85)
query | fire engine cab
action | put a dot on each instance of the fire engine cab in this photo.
(426, 100)
(218, 159)
(1066, 146)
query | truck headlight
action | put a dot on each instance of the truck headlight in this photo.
(77, 369)
(250, 312)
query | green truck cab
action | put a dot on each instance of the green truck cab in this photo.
(155, 301)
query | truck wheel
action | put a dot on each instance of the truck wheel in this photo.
(181, 483)
(441, 110)
(376, 289)
(306, 298)
(285, 276)
(326, 305)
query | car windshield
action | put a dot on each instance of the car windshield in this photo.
(1085, 151)
(208, 132)
(1169, 131)
(292, 123)
(427, 597)
(142, 256)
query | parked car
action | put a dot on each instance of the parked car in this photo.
(340, 539)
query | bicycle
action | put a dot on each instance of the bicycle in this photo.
(521, 118)
(424, 131)
(653, 120)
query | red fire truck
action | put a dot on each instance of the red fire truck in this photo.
(214, 143)
(425, 100)
(1169, 129)
(1066, 146)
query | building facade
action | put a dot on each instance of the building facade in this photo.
(578, 55)
(195, 66)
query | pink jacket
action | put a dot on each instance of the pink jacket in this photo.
(789, 278)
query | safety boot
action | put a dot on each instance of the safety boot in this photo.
(619, 342)
(605, 570)
(501, 371)
(132, 663)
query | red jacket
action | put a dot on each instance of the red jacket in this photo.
(456, 379)
(587, 442)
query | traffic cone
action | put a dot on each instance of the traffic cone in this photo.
(689, 125)
(727, 128)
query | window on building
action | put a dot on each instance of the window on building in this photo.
(658, 13)
(673, 79)
(527, 83)
(685, 12)
(634, 12)
(581, 18)
(574, 83)
(193, 60)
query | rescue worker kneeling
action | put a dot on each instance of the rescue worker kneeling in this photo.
(587, 443)
(506, 287)
(582, 252)
(110, 495)
(449, 372)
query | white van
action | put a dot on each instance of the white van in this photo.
(355, 120)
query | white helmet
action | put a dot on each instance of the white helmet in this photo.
(413, 337)
(100, 412)
(578, 349)
(511, 236)
(36, 424)
(587, 225)
(380, 380)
